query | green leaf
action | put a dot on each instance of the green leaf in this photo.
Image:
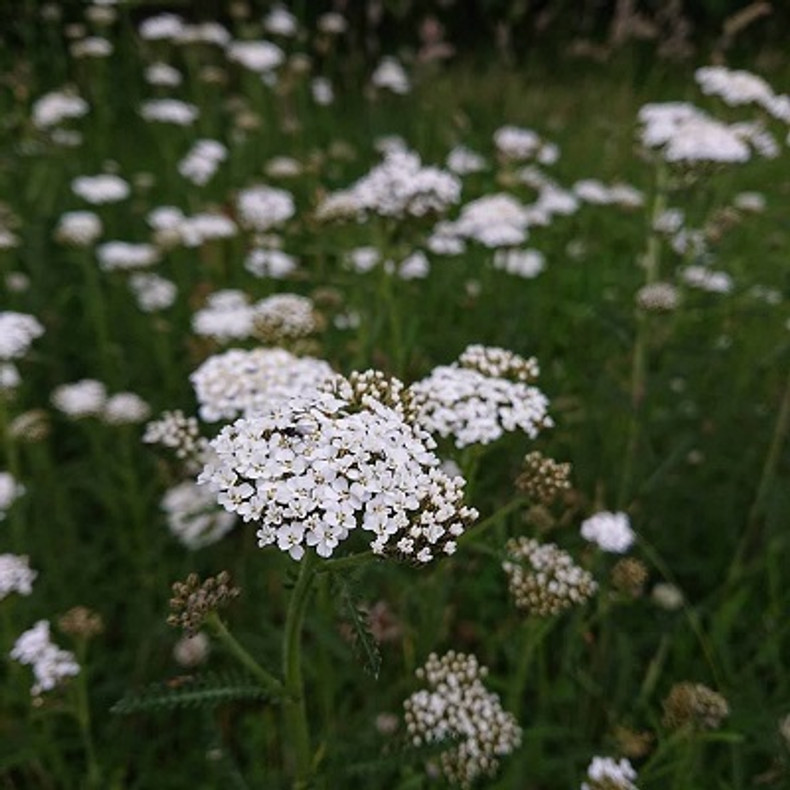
(189, 691)
(365, 646)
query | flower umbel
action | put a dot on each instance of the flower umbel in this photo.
(543, 579)
(456, 705)
(194, 600)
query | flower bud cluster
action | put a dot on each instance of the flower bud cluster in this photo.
(543, 578)
(457, 706)
(658, 297)
(543, 479)
(480, 397)
(81, 622)
(194, 600)
(629, 576)
(315, 467)
(51, 665)
(239, 382)
(695, 705)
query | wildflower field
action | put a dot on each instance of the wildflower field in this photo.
(394, 422)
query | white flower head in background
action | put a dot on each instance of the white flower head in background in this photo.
(605, 773)
(16, 576)
(390, 75)
(262, 208)
(80, 228)
(51, 665)
(611, 532)
(194, 517)
(17, 333)
(103, 188)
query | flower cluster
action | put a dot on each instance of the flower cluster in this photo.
(610, 531)
(53, 108)
(79, 228)
(153, 292)
(226, 316)
(284, 317)
(658, 297)
(88, 398)
(493, 220)
(694, 705)
(81, 623)
(629, 576)
(274, 263)
(314, 468)
(543, 479)
(685, 133)
(604, 773)
(17, 333)
(481, 396)
(390, 75)
(194, 600)
(169, 111)
(518, 144)
(262, 208)
(15, 575)
(456, 705)
(177, 432)
(193, 516)
(543, 578)
(103, 188)
(523, 263)
(123, 256)
(239, 382)
(51, 665)
(201, 162)
(737, 87)
(399, 187)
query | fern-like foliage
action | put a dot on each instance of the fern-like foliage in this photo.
(351, 608)
(190, 691)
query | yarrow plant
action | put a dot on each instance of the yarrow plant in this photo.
(51, 665)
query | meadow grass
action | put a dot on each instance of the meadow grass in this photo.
(690, 442)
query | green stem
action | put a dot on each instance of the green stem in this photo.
(651, 262)
(265, 678)
(294, 706)
(535, 632)
(754, 519)
(491, 521)
(83, 716)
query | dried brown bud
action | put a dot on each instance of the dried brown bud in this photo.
(194, 600)
(695, 705)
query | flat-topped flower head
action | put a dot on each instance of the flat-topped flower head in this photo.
(16, 576)
(455, 704)
(239, 382)
(284, 317)
(262, 208)
(10, 490)
(543, 579)
(314, 468)
(481, 396)
(17, 333)
(610, 531)
(605, 773)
